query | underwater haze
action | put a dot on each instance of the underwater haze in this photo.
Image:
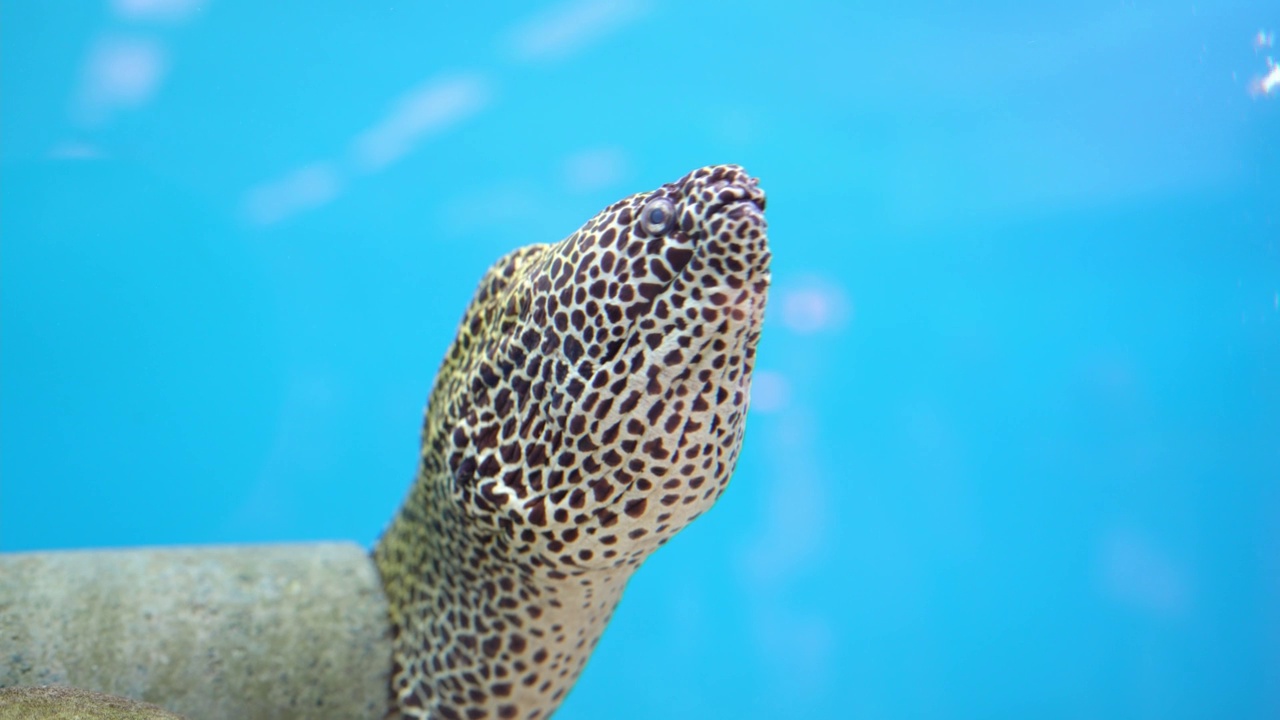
(1014, 443)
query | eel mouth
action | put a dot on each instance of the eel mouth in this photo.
(731, 206)
(727, 243)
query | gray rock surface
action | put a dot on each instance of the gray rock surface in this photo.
(272, 631)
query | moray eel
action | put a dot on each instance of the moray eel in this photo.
(591, 406)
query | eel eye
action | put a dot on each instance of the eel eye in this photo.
(658, 216)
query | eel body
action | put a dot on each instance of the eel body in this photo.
(590, 407)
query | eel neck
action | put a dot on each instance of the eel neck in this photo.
(473, 628)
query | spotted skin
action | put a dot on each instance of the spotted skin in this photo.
(591, 406)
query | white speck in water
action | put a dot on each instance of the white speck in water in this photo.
(1266, 84)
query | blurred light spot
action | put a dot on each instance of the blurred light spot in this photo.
(503, 204)
(305, 188)
(121, 72)
(799, 648)
(163, 10)
(1264, 39)
(813, 305)
(570, 27)
(422, 112)
(795, 528)
(770, 391)
(737, 127)
(73, 150)
(1139, 574)
(1266, 84)
(303, 444)
(1113, 372)
(595, 169)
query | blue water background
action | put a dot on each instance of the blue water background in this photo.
(1015, 444)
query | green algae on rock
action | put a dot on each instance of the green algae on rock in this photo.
(52, 702)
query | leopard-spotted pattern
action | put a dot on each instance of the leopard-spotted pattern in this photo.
(591, 406)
